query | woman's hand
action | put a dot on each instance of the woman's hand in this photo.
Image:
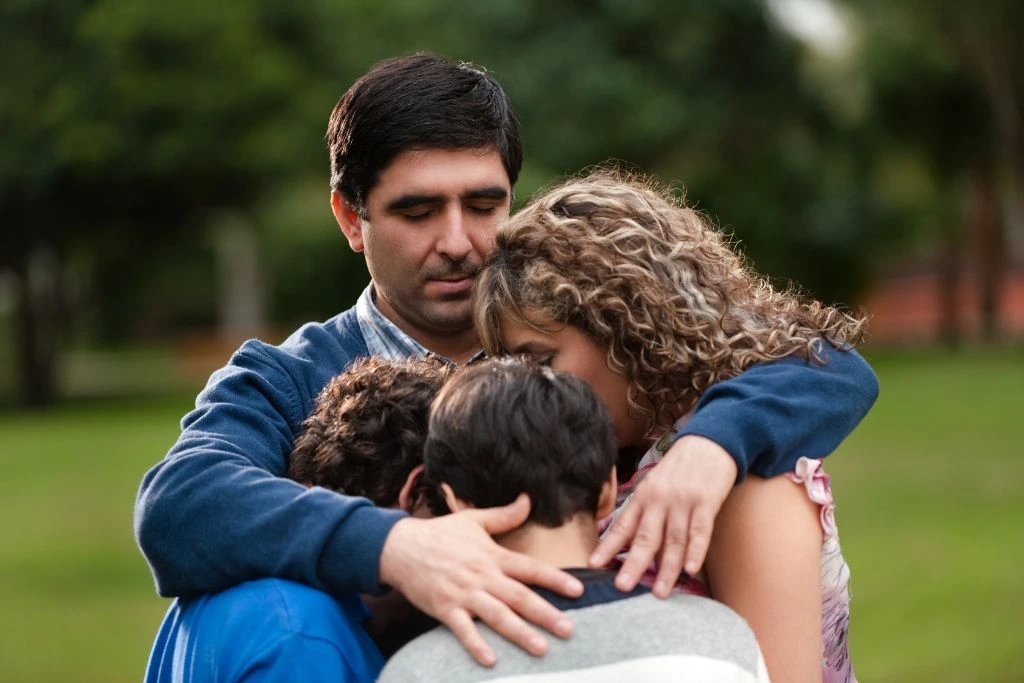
(671, 515)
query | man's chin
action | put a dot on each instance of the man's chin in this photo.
(452, 315)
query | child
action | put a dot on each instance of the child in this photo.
(364, 438)
(502, 428)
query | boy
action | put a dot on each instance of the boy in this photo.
(364, 438)
(504, 428)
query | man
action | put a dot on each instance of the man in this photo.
(365, 438)
(503, 428)
(424, 154)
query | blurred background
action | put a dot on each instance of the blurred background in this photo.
(164, 195)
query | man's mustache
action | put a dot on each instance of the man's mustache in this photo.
(452, 271)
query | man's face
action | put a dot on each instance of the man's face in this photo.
(429, 222)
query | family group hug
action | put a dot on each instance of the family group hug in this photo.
(580, 442)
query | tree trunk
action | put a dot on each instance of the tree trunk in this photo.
(949, 285)
(36, 333)
(989, 43)
(986, 221)
(242, 306)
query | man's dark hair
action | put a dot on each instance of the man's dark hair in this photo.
(420, 101)
(367, 431)
(506, 426)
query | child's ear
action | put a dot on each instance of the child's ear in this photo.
(454, 503)
(406, 499)
(609, 494)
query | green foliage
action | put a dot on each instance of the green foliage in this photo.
(128, 125)
(306, 256)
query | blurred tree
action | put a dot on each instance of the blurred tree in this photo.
(948, 82)
(129, 126)
(125, 126)
(710, 96)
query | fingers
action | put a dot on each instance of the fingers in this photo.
(494, 612)
(701, 525)
(670, 562)
(501, 610)
(646, 543)
(466, 631)
(533, 572)
(505, 518)
(533, 607)
(617, 537)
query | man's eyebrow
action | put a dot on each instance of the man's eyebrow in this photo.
(492, 192)
(407, 201)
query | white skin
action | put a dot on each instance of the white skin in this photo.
(764, 560)
(670, 515)
(429, 221)
(568, 545)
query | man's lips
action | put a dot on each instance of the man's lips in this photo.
(452, 284)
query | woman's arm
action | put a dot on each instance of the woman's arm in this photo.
(772, 414)
(761, 421)
(765, 563)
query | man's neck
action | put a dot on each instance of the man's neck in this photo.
(569, 545)
(457, 346)
(459, 349)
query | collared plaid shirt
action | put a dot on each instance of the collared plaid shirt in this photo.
(384, 338)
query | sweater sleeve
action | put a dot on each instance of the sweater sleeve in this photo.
(775, 413)
(217, 510)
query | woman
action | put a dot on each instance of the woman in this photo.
(614, 280)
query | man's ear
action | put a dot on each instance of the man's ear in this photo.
(348, 220)
(609, 494)
(406, 499)
(454, 503)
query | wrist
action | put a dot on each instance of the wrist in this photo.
(350, 559)
(391, 560)
(706, 451)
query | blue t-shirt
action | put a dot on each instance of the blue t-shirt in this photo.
(266, 630)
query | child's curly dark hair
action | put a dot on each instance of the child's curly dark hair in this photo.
(367, 431)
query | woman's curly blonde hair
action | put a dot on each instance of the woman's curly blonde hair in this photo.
(632, 267)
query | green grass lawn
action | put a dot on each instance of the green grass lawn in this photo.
(930, 494)
(930, 503)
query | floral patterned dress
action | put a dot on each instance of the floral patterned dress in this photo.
(835, 573)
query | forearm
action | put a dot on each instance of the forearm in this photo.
(217, 510)
(774, 413)
(208, 520)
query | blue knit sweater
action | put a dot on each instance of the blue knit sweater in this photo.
(218, 511)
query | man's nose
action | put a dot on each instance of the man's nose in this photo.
(454, 240)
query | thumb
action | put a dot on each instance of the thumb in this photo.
(505, 518)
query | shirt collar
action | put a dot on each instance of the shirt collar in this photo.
(386, 339)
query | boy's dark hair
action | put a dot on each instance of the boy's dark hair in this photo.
(420, 101)
(367, 431)
(506, 426)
